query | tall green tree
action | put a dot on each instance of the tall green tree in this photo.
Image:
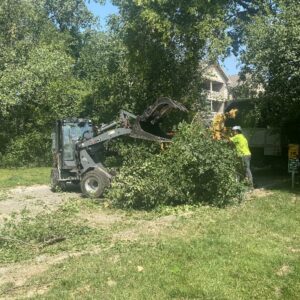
(239, 16)
(40, 42)
(272, 56)
(166, 40)
(103, 64)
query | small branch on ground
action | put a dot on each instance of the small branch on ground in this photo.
(54, 240)
(46, 243)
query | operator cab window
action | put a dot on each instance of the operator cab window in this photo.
(71, 134)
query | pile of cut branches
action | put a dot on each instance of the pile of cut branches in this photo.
(194, 169)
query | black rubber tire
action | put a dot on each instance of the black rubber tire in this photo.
(55, 184)
(94, 183)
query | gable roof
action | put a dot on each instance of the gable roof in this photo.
(218, 68)
(234, 80)
(222, 72)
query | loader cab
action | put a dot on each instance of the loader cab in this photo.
(66, 134)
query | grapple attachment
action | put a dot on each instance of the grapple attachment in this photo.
(152, 115)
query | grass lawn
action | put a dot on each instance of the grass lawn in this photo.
(23, 177)
(247, 252)
(250, 251)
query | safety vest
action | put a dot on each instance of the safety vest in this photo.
(241, 144)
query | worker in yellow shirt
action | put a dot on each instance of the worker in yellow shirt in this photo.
(243, 150)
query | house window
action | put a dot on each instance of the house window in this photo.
(217, 86)
(206, 85)
(217, 106)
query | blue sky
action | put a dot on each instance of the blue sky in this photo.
(230, 64)
(102, 11)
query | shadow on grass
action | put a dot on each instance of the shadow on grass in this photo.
(276, 180)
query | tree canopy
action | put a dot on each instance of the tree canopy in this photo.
(39, 49)
(167, 39)
(272, 57)
(54, 62)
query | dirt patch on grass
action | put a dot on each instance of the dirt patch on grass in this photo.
(153, 228)
(14, 277)
(294, 250)
(100, 219)
(35, 199)
(258, 193)
(284, 270)
(17, 275)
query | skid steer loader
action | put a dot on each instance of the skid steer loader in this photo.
(75, 143)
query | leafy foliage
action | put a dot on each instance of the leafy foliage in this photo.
(23, 151)
(240, 15)
(272, 57)
(53, 64)
(165, 42)
(195, 168)
(104, 66)
(37, 82)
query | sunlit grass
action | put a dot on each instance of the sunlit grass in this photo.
(249, 251)
(10, 178)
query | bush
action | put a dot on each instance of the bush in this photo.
(32, 149)
(194, 169)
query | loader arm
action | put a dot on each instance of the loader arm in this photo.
(123, 127)
(129, 124)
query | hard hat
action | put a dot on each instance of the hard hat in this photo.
(237, 128)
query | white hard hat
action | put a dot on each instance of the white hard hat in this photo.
(237, 128)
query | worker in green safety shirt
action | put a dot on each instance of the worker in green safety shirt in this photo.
(243, 150)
